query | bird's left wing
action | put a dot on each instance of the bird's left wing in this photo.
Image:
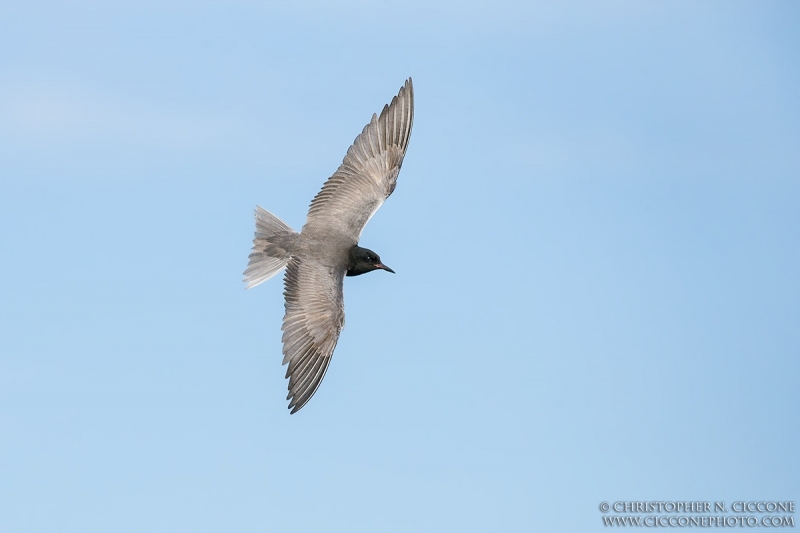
(311, 326)
(368, 173)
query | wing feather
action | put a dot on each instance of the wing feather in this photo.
(368, 173)
(311, 326)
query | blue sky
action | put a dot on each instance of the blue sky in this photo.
(595, 233)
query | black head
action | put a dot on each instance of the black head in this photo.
(362, 261)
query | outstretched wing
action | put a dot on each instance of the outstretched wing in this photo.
(368, 173)
(311, 326)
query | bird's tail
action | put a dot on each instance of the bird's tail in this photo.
(272, 248)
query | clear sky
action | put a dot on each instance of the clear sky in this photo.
(596, 236)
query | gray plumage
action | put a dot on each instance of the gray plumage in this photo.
(326, 249)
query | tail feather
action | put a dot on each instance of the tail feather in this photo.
(270, 252)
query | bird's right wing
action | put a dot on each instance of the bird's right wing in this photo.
(368, 173)
(311, 326)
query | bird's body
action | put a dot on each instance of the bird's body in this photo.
(326, 250)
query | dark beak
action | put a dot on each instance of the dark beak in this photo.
(384, 267)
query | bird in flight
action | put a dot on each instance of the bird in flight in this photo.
(326, 250)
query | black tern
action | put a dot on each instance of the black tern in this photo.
(326, 249)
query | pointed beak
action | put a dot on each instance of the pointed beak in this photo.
(384, 267)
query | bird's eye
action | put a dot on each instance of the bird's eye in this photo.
(370, 259)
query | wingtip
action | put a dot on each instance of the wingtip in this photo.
(294, 405)
(408, 86)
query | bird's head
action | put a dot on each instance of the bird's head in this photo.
(362, 260)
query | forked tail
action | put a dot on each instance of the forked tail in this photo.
(272, 248)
